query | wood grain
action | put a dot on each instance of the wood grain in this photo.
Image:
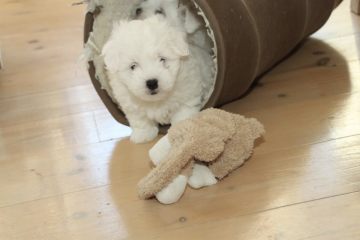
(292, 222)
(46, 105)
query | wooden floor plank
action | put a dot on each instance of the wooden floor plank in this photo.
(41, 16)
(41, 62)
(40, 56)
(108, 128)
(50, 75)
(65, 171)
(293, 222)
(47, 105)
(298, 124)
(267, 181)
(47, 135)
(39, 47)
(306, 123)
(313, 53)
(347, 233)
(89, 216)
(301, 85)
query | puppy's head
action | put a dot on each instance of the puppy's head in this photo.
(146, 56)
(179, 13)
(165, 8)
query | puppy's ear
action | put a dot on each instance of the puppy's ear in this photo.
(180, 46)
(111, 56)
(192, 22)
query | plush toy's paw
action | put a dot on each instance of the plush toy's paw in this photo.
(173, 192)
(160, 150)
(201, 177)
(140, 135)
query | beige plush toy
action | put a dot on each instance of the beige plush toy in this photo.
(197, 151)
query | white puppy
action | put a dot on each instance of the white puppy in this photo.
(154, 75)
(179, 13)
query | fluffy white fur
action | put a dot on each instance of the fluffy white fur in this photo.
(179, 13)
(138, 51)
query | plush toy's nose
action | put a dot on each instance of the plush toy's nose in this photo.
(152, 84)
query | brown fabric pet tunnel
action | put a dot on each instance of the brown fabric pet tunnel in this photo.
(251, 36)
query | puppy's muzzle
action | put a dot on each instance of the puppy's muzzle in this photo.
(152, 84)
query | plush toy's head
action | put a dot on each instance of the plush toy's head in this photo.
(205, 141)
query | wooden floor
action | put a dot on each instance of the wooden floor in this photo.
(68, 171)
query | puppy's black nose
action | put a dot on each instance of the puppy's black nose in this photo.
(152, 84)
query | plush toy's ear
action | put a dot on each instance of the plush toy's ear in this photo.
(256, 127)
(208, 148)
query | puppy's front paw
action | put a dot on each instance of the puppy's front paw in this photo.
(140, 135)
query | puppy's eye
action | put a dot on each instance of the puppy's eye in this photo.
(138, 11)
(133, 67)
(162, 60)
(159, 11)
